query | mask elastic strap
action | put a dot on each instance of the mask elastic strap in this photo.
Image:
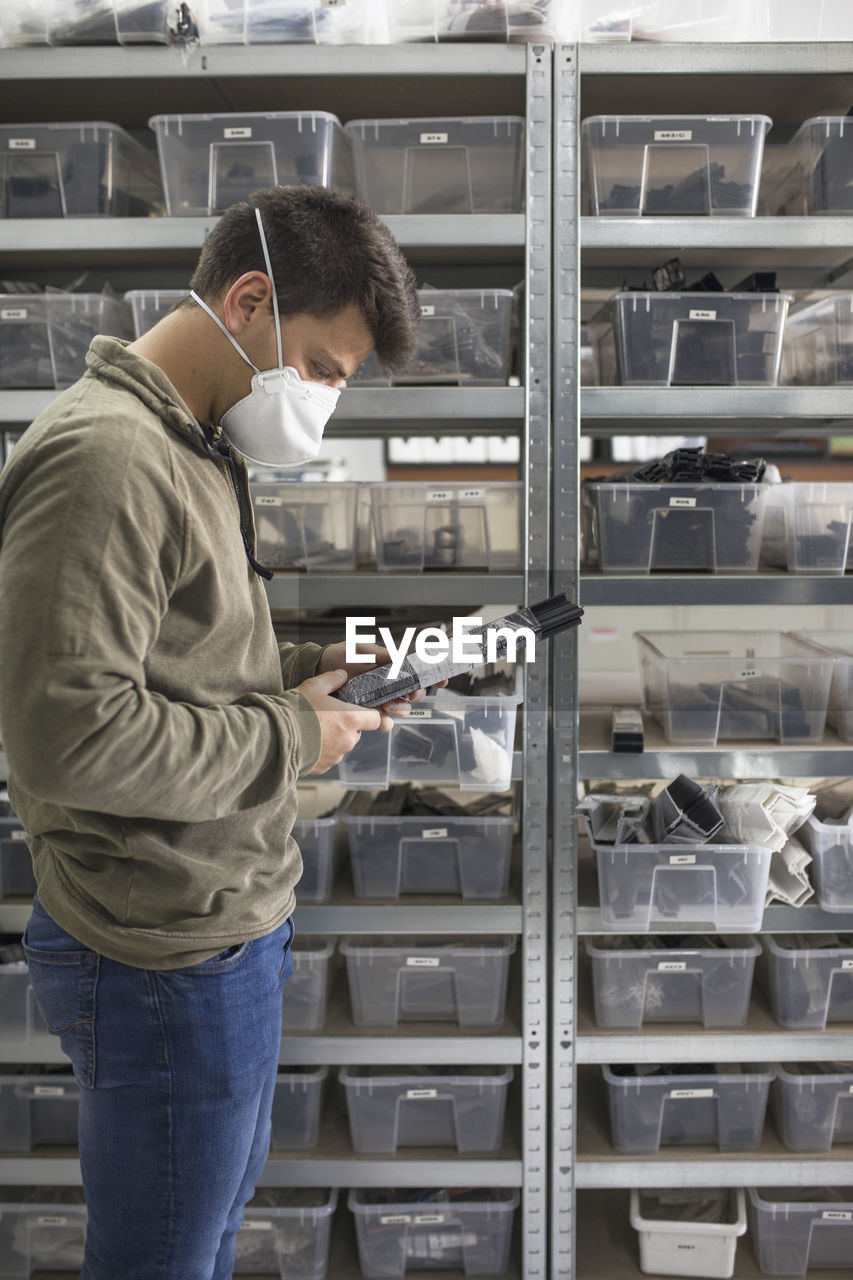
(230, 336)
(272, 282)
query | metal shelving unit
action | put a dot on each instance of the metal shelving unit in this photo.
(404, 80)
(807, 253)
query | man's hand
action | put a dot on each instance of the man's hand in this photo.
(333, 658)
(341, 723)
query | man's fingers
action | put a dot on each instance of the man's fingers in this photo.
(329, 681)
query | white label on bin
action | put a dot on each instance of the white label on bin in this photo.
(420, 713)
(269, 502)
(682, 502)
(429, 1219)
(682, 859)
(672, 966)
(257, 1226)
(423, 962)
(332, 4)
(48, 1091)
(691, 1093)
(434, 833)
(837, 1215)
(13, 313)
(847, 964)
(20, 834)
(51, 1220)
(22, 144)
(440, 495)
(433, 139)
(244, 131)
(673, 135)
(748, 673)
(438, 1244)
(394, 1219)
(472, 493)
(422, 1093)
(427, 310)
(702, 315)
(850, 1088)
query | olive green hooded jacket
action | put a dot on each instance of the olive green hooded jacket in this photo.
(153, 749)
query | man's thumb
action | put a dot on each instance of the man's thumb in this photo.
(329, 681)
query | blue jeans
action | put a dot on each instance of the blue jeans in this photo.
(177, 1070)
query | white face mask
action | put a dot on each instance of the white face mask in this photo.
(280, 422)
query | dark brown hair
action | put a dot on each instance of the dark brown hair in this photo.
(328, 251)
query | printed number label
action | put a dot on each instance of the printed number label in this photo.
(332, 4)
(435, 833)
(18, 835)
(22, 144)
(440, 495)
(673, 135)
(257, 1226)
(837, 1215)
(48, 1091)
(269, 502)
(682, 859)
(13, 313)
(682, 502)
(433, 139)
(748, 673)
(394, 1220)
(702, 315)
(427, 309)
(429, 1219)
(850, 1088)
(49, 1220)
(235, 134)
(422, 1093)
(692, 1093)
(847, 964)
(472, 493)
(672, 966)
(422, 962)
(420, 713)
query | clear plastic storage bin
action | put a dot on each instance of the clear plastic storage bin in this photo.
(707, 686)
(446, 164)
(432, 1231)
(390, 1108)
(643, 887)
(150, 305)
(812, 1104)
(413, 854)
(809, 978)
(799, 1229)
(464, 340)
(19, 1016)
(209, 162)
(37, 1110)
(306, 989)
(818, 346)
(41, 1229)
(815, 518)
(296, 1108)
(670, 20)
(639, 528)
(814, 174)
(69, 22)
(314, 832)
(75, 170)
(839, 646)
(285, 1233)
(690, 339)
(724, 1107)
(301, 525)
(44, 337)
(641, 980)
(16, 865)
(393, 980)
(688, 1232)
(674, 165)
(831, 847)
(474, 19)
(449, 737)
(420, 525)
(287, 21)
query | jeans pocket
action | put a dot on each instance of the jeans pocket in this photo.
(222, 962)
(286, 970)
(64, 980)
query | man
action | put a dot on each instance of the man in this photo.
(155, 730)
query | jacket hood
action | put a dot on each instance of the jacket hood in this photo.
(111, 360)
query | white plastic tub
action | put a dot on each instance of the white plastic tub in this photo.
(673, 1247)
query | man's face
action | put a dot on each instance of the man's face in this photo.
(320, 349)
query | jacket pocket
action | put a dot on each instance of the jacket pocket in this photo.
(64, 981)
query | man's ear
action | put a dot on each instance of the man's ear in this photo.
(247, 297)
